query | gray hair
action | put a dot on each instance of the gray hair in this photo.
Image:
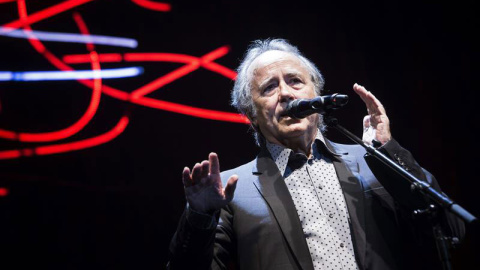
(241, 93)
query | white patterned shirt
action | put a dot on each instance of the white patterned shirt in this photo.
(318, 198)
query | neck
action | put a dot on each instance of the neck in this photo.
(300, 144)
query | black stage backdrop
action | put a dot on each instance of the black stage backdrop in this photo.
(87, 184)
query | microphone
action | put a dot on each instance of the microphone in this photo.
(301, 108)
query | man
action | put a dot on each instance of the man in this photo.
(304, 202)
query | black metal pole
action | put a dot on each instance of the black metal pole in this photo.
(416, 184)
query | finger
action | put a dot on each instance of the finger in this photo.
(361, 92)
(187, 181)
(366, 122)
(366, 97)
(376, 104)
(230, 188)
(214, 163)
(196, 172)
(204, 174)
(205, 164)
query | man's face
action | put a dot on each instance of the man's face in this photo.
(278, 78)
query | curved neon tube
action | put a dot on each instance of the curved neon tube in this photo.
(69, 37)
(80, 123)
(46, 13)
(3, 192)
(157, 6)
(67, 147)
(29, 76)
(198, 112)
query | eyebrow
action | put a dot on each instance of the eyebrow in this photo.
(264, 83)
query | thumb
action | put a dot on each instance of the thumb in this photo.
(366, 122)
(230, 187)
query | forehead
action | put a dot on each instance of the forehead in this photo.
(274, 60)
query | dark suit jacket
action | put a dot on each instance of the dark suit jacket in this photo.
(260, 228)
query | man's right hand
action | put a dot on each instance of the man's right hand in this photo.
(203, 186)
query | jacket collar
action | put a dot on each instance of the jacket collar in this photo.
(271, 185)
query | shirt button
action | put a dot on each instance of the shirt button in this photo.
(342, 244)
(330, 215)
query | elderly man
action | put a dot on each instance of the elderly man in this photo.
(304, 202)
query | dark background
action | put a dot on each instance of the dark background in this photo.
(116, 205)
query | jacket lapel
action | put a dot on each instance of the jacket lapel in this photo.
(275, 192)
(345, 166)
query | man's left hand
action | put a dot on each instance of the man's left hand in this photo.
(376, 124)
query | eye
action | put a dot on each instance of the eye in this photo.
(269, 87)
(296, 81)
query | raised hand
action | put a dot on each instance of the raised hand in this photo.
(203, 186)
(376, 124)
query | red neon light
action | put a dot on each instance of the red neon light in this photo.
(10, 135)
(71, 146)
(6, 1)
(83, 29)
(83, 58)
(157, 6)
(226, 72)
(45, 13)
(3, 192)
(215, 54)
(204, 61)
(193, 111)
(77, 126)
(166, 79)
(160, 57)
(89, 113)
(87, 143)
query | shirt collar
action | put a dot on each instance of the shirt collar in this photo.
(281, 154)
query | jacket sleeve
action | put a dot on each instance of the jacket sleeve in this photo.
(195, 246)
(401, 191)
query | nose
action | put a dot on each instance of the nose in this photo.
(285, 93)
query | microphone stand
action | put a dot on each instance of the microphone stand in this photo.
(437, 199)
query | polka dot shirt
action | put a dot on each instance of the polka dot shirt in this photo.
(321, 207)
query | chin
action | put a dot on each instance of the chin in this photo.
(296, 129)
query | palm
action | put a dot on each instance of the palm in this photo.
(376, 124)
(203, 186)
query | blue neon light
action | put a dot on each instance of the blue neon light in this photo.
(30, 76)
(69, 37)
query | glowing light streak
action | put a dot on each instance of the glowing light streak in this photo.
(70, 75)
(80, 123)
(45, 13)
(193, 63)
(226, 72)
(6, 76)
(3, 192)
(193, 111)
(160, 57)
(71, 146)
(215, 54)
(87, 143)
(6, 1)
(157, 6)
(82, 26)
(69, 37)
(164, 80)
(83, 58)
(122, 95)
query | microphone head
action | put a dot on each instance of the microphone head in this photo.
(296, 108)
(339, 100)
